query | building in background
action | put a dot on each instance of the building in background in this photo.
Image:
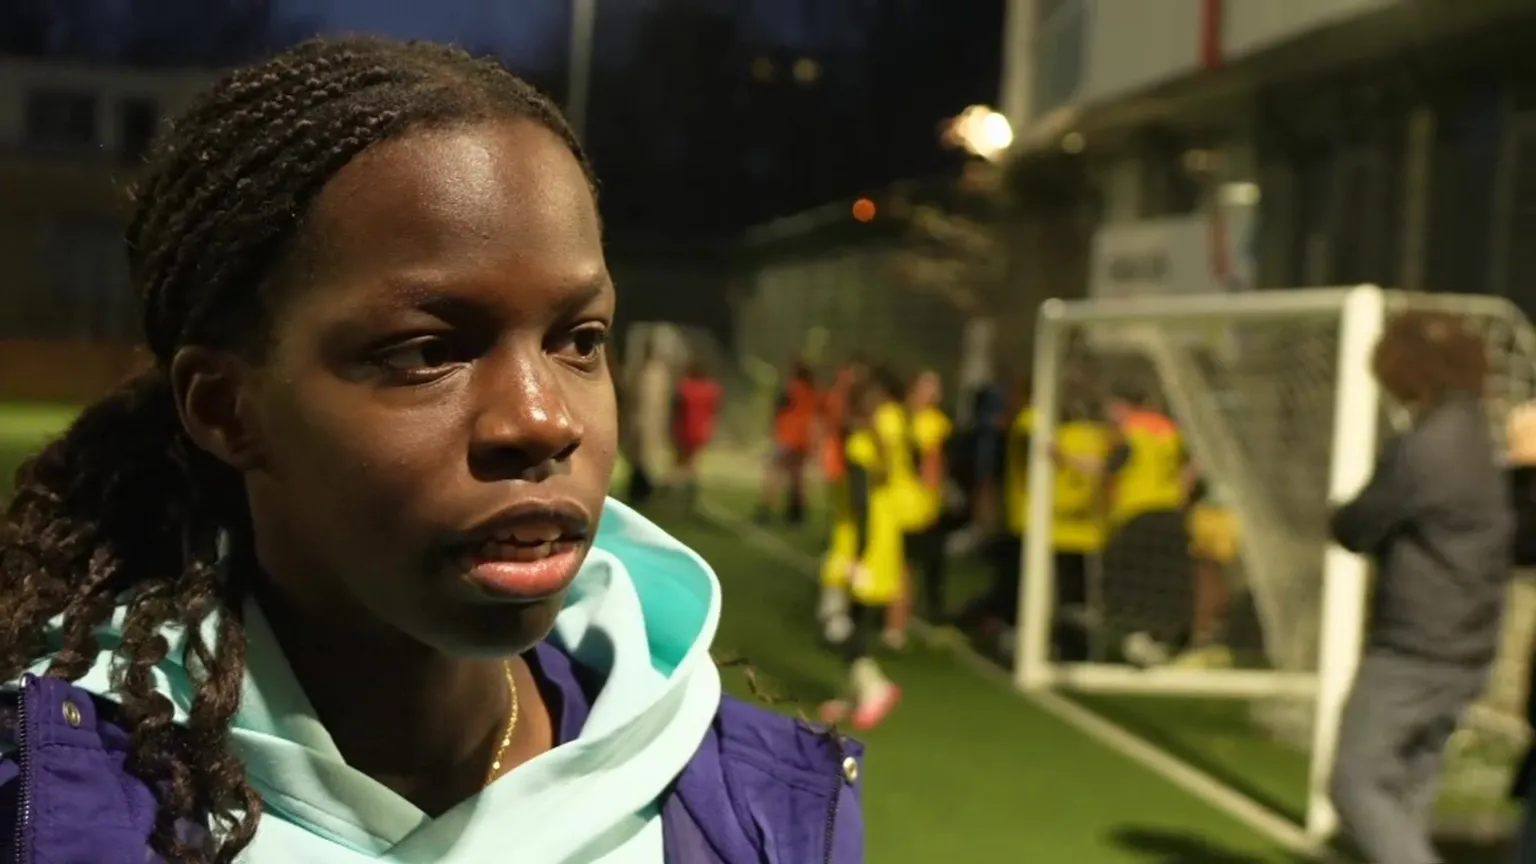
(70, 138)
(1316, 142)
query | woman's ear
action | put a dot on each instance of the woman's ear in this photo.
(212, 399)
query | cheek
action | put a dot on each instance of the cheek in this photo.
(336, 454)
(601, 426)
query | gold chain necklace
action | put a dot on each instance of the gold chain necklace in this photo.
(506, 737)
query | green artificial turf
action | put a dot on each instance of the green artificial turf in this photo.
(23, 429)
(965, 769)
(1217, 736)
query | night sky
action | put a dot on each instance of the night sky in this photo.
(535, 32)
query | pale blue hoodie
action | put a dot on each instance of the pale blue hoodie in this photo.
(642, 612)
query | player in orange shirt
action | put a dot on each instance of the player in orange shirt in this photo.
(834, 412)
(794, 432)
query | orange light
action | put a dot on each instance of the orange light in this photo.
(864, 210)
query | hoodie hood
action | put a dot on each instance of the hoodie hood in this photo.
(643, 612)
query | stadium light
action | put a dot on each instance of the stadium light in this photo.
(981, 131)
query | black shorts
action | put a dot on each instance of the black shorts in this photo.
(868, 623)
(1148, 582)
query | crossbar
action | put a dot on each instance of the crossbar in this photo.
(1294, 303)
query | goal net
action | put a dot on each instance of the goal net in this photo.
(1233, 624)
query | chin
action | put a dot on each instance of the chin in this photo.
(496, 630)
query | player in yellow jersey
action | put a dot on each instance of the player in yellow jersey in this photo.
(1213, 547)
(869, 404)
(926, 536)
(868, 562)
(1150, 521)
(892, 425)
(1080, 455)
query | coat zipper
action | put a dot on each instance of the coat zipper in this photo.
(829, 839)
(23, 812)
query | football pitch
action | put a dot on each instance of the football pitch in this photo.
(966, 770)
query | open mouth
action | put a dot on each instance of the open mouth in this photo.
(529, 557)
(523, 546)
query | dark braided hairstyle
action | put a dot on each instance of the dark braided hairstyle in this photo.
(123, 508)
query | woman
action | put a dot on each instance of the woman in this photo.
(891, 425)
(1436, 520)
(1149, 476)
(649, 400)
(865, 564)
(327, 584)
(1080, 456)
(931, 430)
(794, 433)
(834, 410)
(1520, 437)
(996, 611)
(695, 406)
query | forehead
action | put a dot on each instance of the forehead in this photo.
(496, 201)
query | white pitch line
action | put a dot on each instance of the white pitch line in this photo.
(1200, 784)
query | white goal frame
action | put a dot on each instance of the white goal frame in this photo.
(1361, 312)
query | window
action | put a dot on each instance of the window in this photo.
(61, 118)
(136, 122)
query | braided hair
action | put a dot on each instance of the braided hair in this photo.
(123, 509)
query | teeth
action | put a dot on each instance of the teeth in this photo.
(529, 534)
(493, 551)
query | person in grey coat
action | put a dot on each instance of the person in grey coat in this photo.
(1435, 517)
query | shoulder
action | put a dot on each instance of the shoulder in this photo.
(760, 780)
(1085, 435)
(861, 449)
(933, 423)
(76, 751)
(1460, 413)
(1456, 429)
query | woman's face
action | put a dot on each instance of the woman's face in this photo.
(925, 390)
(433, 427)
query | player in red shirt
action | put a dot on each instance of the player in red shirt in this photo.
(695, 406)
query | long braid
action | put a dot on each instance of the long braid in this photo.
(123, 508)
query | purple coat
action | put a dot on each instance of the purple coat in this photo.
(762, 788)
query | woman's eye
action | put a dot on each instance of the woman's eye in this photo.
(585, 344)
(416, 356)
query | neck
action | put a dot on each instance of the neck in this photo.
(422, 723)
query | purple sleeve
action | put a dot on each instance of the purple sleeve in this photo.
(10, 785)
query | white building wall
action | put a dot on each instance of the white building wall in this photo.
(1081, 52)
(1252, 26)
(1134, 44)
(1016, 95)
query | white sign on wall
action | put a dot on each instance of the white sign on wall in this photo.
(1175, 256)
(1153, 258)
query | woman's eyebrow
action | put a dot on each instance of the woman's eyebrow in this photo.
(583, 294)
(436, 292)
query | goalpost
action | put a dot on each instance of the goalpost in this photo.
(1274, 400)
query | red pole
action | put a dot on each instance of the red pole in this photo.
(1210, 33)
